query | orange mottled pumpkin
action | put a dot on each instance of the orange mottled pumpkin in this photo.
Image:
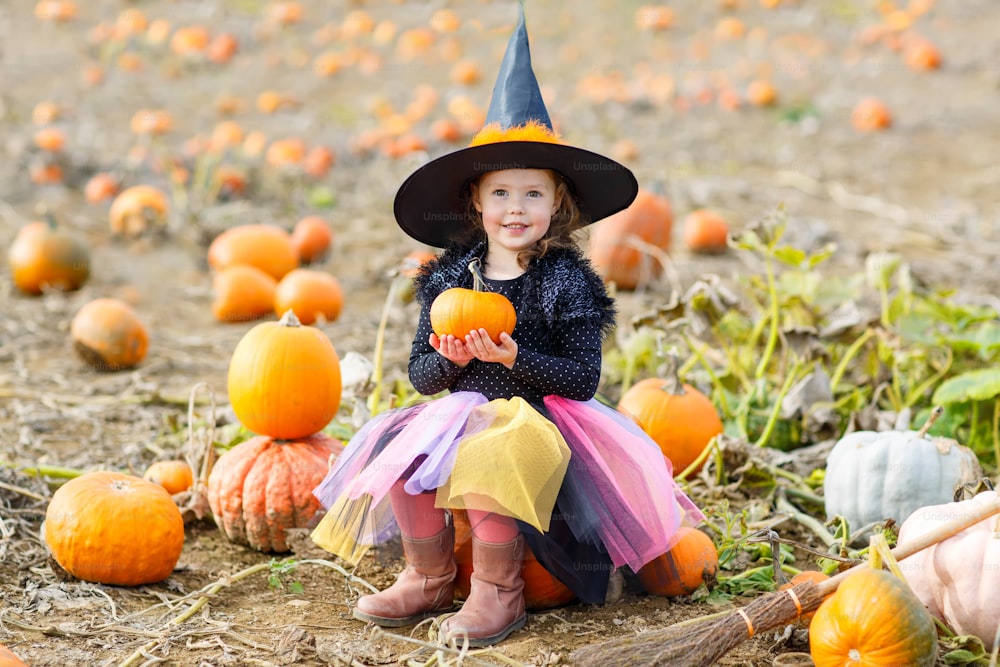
(262, 487)
(267, 247)
(45, 256)
(113, 528)
(242, 293)
(174, 475)
(284, 379)
(873, 619)
(459, 310)
(693, 560)
(108, 335)
(541, 589)
(681, 419)
(617, 243)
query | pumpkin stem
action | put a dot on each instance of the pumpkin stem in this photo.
(935, 413)
(289, 319)
(475, 267)
(672, 383)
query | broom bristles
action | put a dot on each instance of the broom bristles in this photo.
(702, 644)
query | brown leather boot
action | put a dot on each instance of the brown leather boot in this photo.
(495, 607)
(425, 588)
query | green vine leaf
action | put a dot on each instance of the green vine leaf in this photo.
(980, 384)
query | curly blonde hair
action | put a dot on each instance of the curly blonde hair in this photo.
(565, 221)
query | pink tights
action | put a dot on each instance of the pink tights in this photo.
(418, 518)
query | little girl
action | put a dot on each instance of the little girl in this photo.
(519, 441)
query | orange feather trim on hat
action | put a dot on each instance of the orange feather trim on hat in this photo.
(530, 131)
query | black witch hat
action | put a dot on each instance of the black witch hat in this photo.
(432, 203)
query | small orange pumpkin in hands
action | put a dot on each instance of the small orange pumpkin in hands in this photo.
(45, 256)
(108, 335)
(459, 310)
(311, 294)
(174, 475)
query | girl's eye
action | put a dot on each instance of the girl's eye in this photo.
(534, 193)
(499, 193)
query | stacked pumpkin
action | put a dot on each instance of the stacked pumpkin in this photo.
(262, 269)
(284, 385)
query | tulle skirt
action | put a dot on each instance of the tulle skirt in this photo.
(591, 491)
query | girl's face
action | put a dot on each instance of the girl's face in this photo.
(516, 205)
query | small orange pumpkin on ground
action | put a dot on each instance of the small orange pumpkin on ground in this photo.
(284, 379)
(9, 659)
(541, 589)
(113, 528)
(267, 247)
(615, 243)
(101, 187)
(311, 294)
(459, 310)
(263, 487)
(802, 577)
(108, 335)
(174, 475)
(137, 209)
(692, 561)
(681, 419)
(312, 239)
(242, 293)
(706, 232)
(871, 115)
(44, 256)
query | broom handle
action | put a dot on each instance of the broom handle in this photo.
(937, 534)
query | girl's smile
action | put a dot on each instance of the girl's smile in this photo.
(516, 206)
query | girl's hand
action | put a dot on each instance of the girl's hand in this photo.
(453, 349)
(484, 349)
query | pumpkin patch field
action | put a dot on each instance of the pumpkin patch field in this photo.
(204, 295)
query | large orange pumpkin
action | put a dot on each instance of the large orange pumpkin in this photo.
(541, 589)
(267, 247)
(615, 242)
(693, 560)
(113, 528)
(108, 335)
(681, 419)
(459, 310)
(262, 487)
(284, 379)
(872, 619)
(45, 256)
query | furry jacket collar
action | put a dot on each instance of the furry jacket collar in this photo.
(561, 287)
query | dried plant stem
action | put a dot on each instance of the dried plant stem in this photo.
(43, 471)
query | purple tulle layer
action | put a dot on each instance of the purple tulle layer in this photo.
(618, 491)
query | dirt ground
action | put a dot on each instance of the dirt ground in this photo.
(924, 188)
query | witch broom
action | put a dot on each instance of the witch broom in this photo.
(703, 643)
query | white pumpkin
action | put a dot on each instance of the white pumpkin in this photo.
(877, 475)
(957, 579)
